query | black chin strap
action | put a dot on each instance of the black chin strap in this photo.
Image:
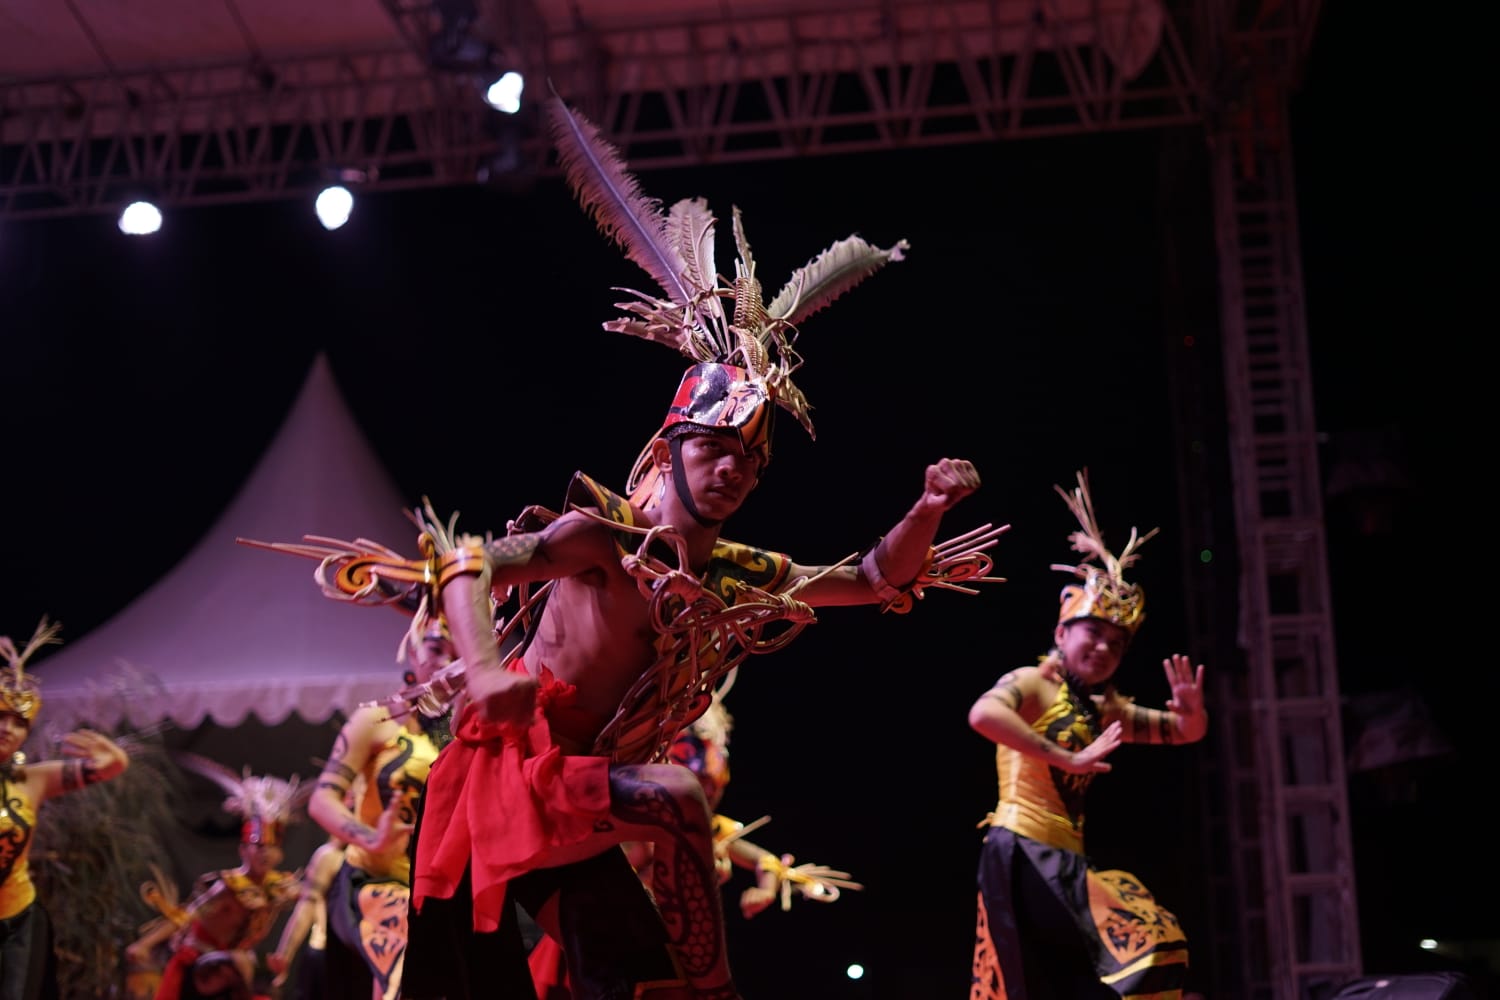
(679, 483)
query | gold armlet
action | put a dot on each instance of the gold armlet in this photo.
(771, 863)
(466, 560)
(869, 568)
(893, 598)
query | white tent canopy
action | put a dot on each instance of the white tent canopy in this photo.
(233, 630)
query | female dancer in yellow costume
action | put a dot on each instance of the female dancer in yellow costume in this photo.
(27, 967)
(1050, 926)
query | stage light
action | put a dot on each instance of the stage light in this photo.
(140, 218)
(505, 93)
(334, 205)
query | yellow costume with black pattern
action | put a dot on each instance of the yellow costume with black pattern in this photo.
(1049, 925)
(368, 898)
(17, 824)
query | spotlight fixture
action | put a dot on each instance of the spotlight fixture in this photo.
(505, 93)
(333, 206)
(140, 218)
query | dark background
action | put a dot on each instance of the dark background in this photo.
(1032, 329)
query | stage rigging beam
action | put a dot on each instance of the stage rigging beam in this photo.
(719, 90)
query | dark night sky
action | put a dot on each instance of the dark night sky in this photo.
(1028, 331)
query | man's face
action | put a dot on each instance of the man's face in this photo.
(718, 472)
(430, 655)
(260, 859)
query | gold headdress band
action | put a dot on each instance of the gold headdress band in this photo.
(1105, 594)
(265, 803)
(19, 692)
(744, 360)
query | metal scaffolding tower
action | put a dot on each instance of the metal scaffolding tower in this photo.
(1281, 750)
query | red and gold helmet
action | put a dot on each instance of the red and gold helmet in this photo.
(1105, 594)
(714, 398)
(262, 831)
(20, 694)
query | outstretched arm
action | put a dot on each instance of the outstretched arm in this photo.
(139, 951)
(998, 717)
(173, 923)
(328, 805)
(321, 869)
(777, 876)
(899, 558)
(767, 879)
(93, 757)
(1184, 720)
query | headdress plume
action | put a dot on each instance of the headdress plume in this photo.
(1105, 592)
(19, 691)
(752, 340)
(266, 803)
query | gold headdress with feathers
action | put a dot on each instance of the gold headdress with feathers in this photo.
(1105, 594)
(743, 357)
(265, 803)
(19, 691)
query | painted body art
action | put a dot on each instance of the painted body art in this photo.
(339, 770)
(1151, 725)
(686, 891)
(512, 550)
(1008, 690)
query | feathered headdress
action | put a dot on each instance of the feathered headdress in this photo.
(1105, 594)
(265, 803)
(744, 355)
(19, 691)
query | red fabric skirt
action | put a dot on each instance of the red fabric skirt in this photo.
(500, 800)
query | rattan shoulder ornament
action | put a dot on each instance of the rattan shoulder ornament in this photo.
(1105, 593)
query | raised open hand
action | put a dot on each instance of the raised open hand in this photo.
(1187, 684)
(1091, 758)
(390, 831)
